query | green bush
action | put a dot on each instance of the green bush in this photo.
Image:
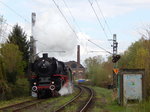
(97, 71)
(5, 90)
(21, 88)
(98, 77)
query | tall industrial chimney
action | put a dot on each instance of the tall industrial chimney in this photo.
(32, 38)
(78, 54)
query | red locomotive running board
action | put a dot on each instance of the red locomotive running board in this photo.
(33, 76)
(41, 87)
(64, 77)
(60, 75)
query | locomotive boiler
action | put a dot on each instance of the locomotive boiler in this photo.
(49, 77)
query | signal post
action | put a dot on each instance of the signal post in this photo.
(115, 58)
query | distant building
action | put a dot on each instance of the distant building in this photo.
(77, 69)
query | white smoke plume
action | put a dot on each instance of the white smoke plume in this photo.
(52, 33)
(66, 89)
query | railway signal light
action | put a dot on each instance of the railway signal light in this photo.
(115, 58)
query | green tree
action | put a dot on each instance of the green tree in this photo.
(97, 71)
(137, 57)
(12, 62)
(19, 37)
(4, 88)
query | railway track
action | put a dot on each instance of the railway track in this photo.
(89, 100)
(85, 104)
(54, 103)
(20, 106)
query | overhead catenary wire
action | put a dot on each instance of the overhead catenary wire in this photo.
(61, 14)
(71, 15)
(103, 17)
(100, 47)
(65, 19)
(99, 20)
(4, 21)
(96, 51)
(76, 24)
(73, 18)
(4, 26)
(14, 12)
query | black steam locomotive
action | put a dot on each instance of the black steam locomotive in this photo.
(49, 76)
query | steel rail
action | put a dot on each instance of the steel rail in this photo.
(85, 106)
(17, 104)
(28, 106)
(89, 100)
(72, 100)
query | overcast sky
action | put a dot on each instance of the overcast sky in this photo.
(125, 18)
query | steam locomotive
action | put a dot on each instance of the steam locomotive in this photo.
(49, 77)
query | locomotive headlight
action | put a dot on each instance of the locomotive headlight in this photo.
(34, 88)
(52, 82)
(52, 87)
(34, 83)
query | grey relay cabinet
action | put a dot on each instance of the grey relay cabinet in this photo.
(131, 86)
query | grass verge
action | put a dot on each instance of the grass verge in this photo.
(14, 101)
(104, 102)
(51, 104)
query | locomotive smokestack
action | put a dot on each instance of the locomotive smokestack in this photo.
(45, 55)
(78, 54)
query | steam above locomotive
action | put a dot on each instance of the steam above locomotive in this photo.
(49, 76)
